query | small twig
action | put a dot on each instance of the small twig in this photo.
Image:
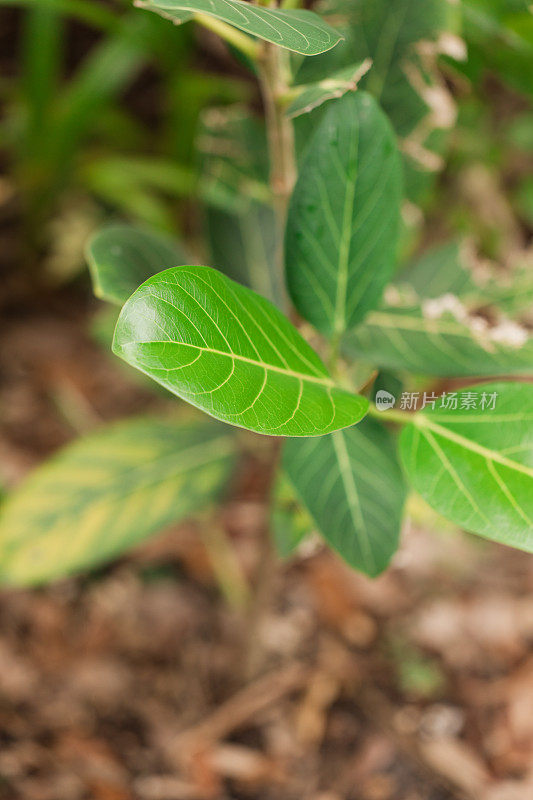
(267, 568)
(273, 69)
(240, 708)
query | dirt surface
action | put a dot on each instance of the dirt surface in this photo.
(141, 682)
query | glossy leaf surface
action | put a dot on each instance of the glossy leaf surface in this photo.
(108, 491)
(231, 353)
(121, 257)
(344, 215)
(475, 466)
(300, 31)
(352, 486)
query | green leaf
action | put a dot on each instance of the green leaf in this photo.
(313, 95)
(243, 245)
(300, 31)
(289, 521)
(108, 491)
(234, 158)
(344, 216)
(499, 36)
(441, 269)
(408, 339)
(403, 39)
(352, 486)
(231, 353)
(475, 466)
(121, 257)
(84, 10)
(240, 221)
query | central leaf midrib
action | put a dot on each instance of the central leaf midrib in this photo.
(236, 356)
(345, 241)
(352, 495)
(422, 421)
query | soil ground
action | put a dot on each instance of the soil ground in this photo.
(140, 681)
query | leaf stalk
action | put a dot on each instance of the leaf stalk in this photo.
(231, 35)
(274, 78)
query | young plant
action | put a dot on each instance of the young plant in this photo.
(325, 249)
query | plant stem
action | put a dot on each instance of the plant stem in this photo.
(274, 80)
(390, 415)
(241, 41)
(226, 566)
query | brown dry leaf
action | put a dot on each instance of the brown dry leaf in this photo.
(311, 718)
(244, 765)
(165, 787)
(458, 763)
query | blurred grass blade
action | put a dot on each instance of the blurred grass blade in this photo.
(104, 73)
(94, 14)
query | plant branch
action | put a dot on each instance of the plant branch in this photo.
(274, 80)
(390, 415)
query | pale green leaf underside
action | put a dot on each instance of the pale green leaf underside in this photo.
(405, 339)
(300, 31)
(231, 353)
(108, 491)
(476, 467)
(314, 95)
(344, 214)
(121, 257)
(352, 486)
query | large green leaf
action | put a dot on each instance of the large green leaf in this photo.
(408, 339)
(343, 221)
(475, 466)
(108, 491)
(300, 31)
(403, 39)
(121, 257)
(240, 222)
(499, 35)
(230, 352)
(352, 486)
